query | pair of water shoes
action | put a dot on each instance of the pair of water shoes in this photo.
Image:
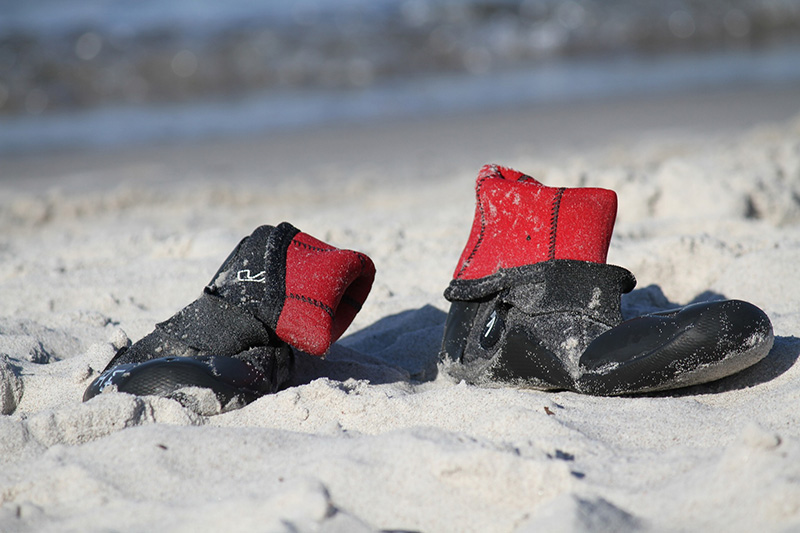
(533, 304)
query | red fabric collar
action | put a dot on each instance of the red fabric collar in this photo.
(518, 221)
(325, 288)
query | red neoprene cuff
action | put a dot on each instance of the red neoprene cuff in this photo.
(518, 221)
(325, 288)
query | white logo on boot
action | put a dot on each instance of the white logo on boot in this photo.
(244, 275)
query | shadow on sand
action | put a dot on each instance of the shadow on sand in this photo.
(400, 347)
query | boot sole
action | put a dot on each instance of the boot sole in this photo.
(229, 379)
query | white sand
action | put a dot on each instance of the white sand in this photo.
(96, 248)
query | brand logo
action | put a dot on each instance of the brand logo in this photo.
(490, 324)
(246, 276)
(492, 331)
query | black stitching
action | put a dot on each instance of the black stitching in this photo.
(311, 301)
(554, 222)
(315, 248)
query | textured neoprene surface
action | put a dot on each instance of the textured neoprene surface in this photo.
(306, 291)
(544, 316)
(534, 305)
(231, 380)
(519, 221)
(325, 289)
(278, 288)
(686, 346)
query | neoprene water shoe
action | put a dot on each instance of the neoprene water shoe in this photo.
(279, 289)
(534, 304)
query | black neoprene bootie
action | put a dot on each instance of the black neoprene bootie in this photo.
(533, 303)
(279, 289)
(529, 325)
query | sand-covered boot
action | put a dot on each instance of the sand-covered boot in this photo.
(534, 304)
(531, 288)
(680, 347)
(279, 288)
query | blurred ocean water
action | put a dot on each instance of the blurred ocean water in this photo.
(94, 72)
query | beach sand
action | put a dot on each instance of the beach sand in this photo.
(96, 247)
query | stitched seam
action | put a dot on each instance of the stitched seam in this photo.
(466, 263)
(554, 222)
(314, 248)
(311, 301)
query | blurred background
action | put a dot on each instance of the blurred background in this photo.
(107, 72)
